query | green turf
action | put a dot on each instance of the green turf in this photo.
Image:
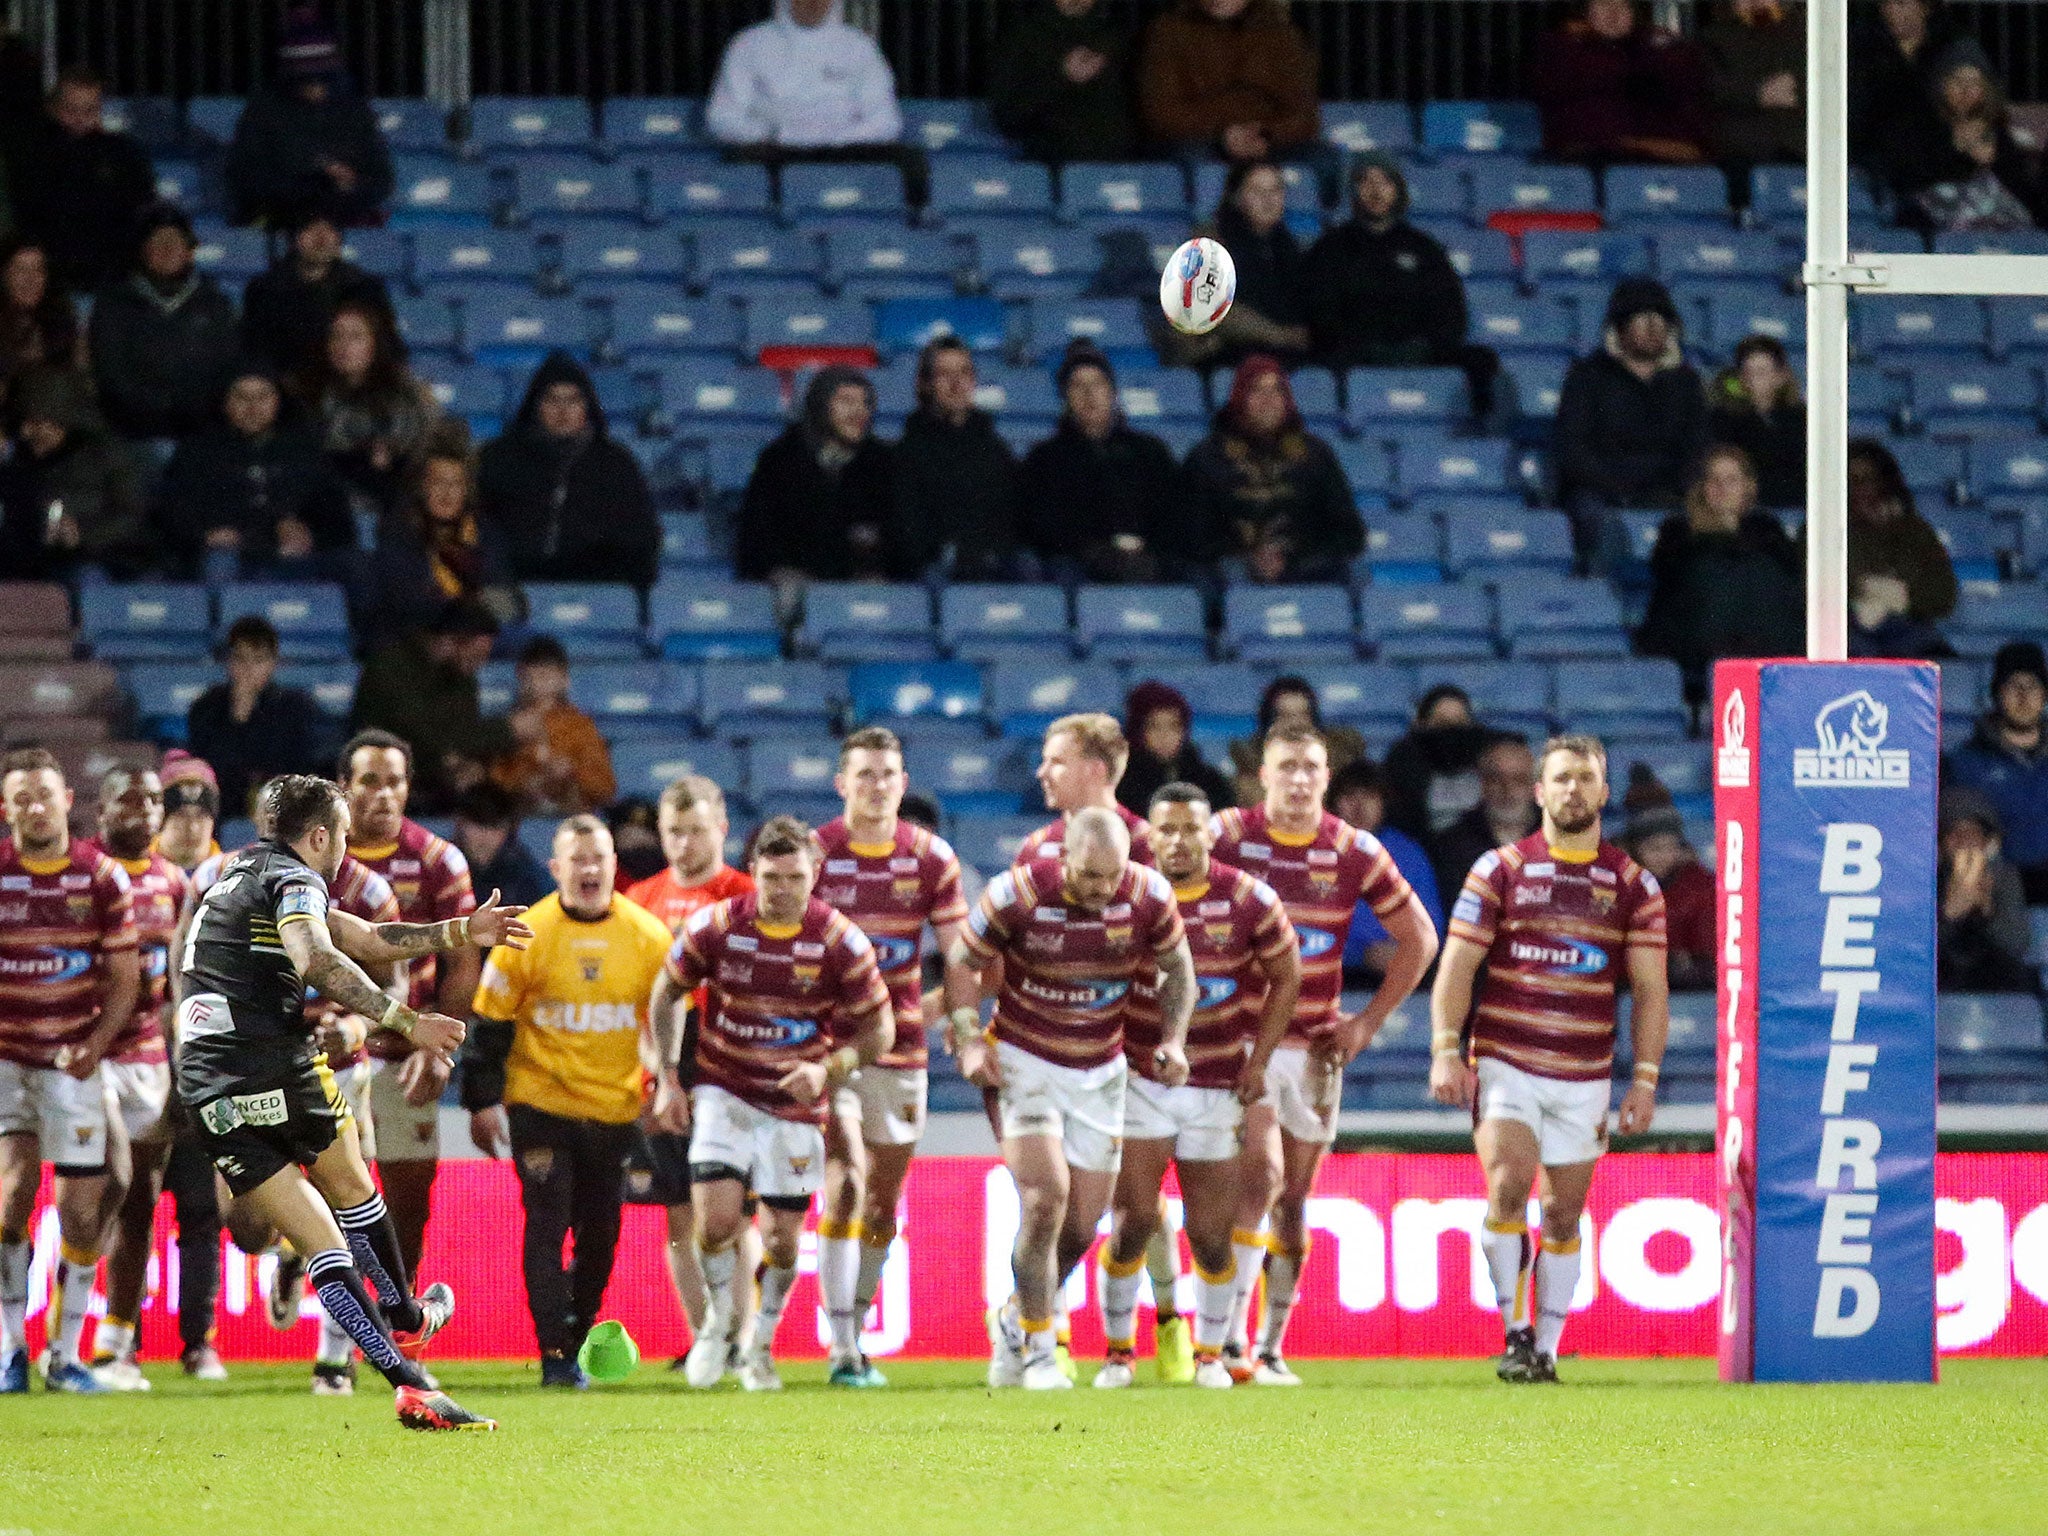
(1624, 1447)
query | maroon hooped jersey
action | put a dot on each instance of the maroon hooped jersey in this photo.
(1049, 841)
(430, 878)
(59, 919)
(156, 895)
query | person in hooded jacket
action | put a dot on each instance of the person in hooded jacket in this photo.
(568, 503)
(1099, 497)
(1901, 581)
(1956, 163)
(2006, 759)
(1269, 492)
(68, 496)
(1228, 77)
(1156, 721)
(1270, 311)
(1631, 418)
(821, 495)
(1755, 405)
(956, 479)
(163, 342)
(252, 496)
(1060, 82)
(308, 136)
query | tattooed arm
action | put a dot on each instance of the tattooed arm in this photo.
(1176, 1005)
(341, 981)
(383, 943)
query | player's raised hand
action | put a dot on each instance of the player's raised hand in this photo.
(978, 1064)
(804, 1082)
(1450, 1080)
(438, 1033)
(1638, 1108)
(1171, 1063)
(491, 925)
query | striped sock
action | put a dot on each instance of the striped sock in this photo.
(874, 1258)
(776, 1284)
(1215, 1297)
(1248, 1248)
(334, 1279)
(1120, 1281)
(838, 1272)
(1162, 1263)
(373, 1243)
(1506, 1246)
(1283, 1279)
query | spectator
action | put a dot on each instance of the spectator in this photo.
(1506, 812)
(1099, 497)
(1631, 418)
(955, 477)
(162, 342)
(821, 496)
(288, 307)
(1358, 795)
(423, 689)
(1890, 48)
(434, 549)
(307, 137)
(1756, 84)
(372, 414)
(1383, 294)
(1983, 937)
(1756, 407)
(1655, 838)
(1289, 700)
(561, 764)
(1229, 77)
(2006, 761)
(1613, 88)
(569, 503)
(1269, 494)
(251, 495)
(636, 829)
(1270, 312)
(1956, 165)
(1725, 578)
(69, 495)
(1433, 771)
(252, 727)
(38, 326)
(1156, 721)
(1901, 584)
(78, 189)
(1060, 83)
(487, 832)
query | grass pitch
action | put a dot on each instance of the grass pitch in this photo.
(1623, 1447)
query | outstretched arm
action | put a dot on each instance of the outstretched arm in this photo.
(382, 943)
(340, 980)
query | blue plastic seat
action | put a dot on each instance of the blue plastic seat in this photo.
(151, 119)
(459, 253)
(331, 683)
(754, 258)
(596, 620)
(1988, 615)
(946, 127)
(704, 391)
(969, 777)
(904, 325)
(163, 693)
(1720, 253)
(868, 621)
(468, 390)
(1681, 766)
(1973, 1022)
(1537, 379)
(1373, 696)
(1642, 697)
(783, 771)
(571, 186)
(187, 184)
(1021, 260)
(973, 186)
(648, 122)
(1288, 624)
(708, 188)
(1945, 395)
(1975, 547)
(385, 252)
(616, 251)
(1549, 254)
(776, 320)
(1222, 695)
(145, 620)
(988, 621)
(1150, 396)
(1368, 469)
(210, 120)
(739, 697)
(697, 620)
(1887, 327)
(1378, 396)
(311, 618)
(1561, 617)
(1315, 396)
(1718, 315)
(924, 692)
(1304, 190)
(1777, 195)
(1438, 192)
(529, 122)
(647, 319)
(638, 696)
(1116, 192)
(1477, 254)
(871, 259)
(231, 255)
(731, 449)
(412, 124)
(1509, 186)
(1510, 695)
(1423, 622)
(644, 768)
(2019, 328)
(1026, 696)
(1358, 126)
(1511, 322)
(1482, 127)
(686, 541)
(433, 188)
(2007, 464)
(1478, 541)
(841, 191)
(990, 843)
(508, 326)
(1115, 325)
(1404, 547)
(1463, 466)
(1658, 193)
(1139, 623)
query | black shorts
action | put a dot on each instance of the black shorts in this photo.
(658, 1169)
(253, 1133)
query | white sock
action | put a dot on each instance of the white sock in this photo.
(1283, 1275)
(1040, 1339)
(720, 1308)
(868, 1280)
(776, 1283)
(75, 1273)
(1507, 1250)
(1557, 1276)
(1215, 1301)
(14, 1262)
(114, 1339)
(1249, 1249)
(336, 1347)
(1120, 1302)
(1162, 1264)
(838, 1268)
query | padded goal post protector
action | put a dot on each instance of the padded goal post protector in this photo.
(1826, 776)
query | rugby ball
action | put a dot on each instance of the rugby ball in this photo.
(1197, 287)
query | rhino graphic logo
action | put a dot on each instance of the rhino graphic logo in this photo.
(1850, 753)
(1853, 723)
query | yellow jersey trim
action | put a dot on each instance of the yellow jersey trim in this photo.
(1290, 839)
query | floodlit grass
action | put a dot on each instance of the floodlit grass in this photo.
(1623, 1446)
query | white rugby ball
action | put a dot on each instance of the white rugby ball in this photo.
(1197, 287)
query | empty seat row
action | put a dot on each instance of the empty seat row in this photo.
(144, 620)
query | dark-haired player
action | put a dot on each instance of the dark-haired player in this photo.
(1554, 920)
(277, 1126)
(789, 980)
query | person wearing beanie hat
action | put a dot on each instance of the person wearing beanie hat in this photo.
(308, 137)
(821, 495)
(163, 341)
(76, 186)
(1156, 721)
(1631, 418)
(1983, 935)
(1952, 159)
(64, 459)
(1270, 311)
(1613, 88)
(287, 308)
(191, 809)
(1654, 836)
(2006, 761)
(1098, 497)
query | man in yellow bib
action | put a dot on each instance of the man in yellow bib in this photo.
(552, 1072)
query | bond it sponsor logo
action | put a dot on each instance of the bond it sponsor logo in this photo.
(1566, 955)
(46, 965)
(1216, 991)
(1731, 763)
(1314, 941)
(1850, 751)
(894, 954)
(1086, 995)
(772, 1031)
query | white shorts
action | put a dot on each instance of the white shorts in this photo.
(405, 1133)
(1083, 1106)
(354, 1083)
(782, 1159)
(137, 1091)
(888, 1102)
(1569, 1118)
(69, 1116)
(1305, 1096)
(1201, 1123)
